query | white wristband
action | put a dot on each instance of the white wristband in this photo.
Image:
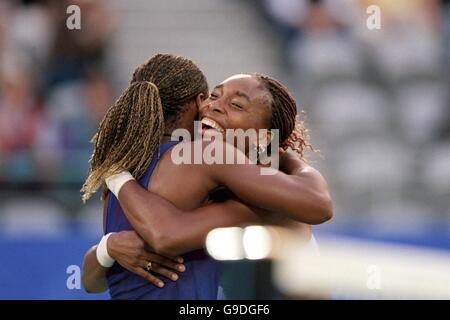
(116, 181)
(103, 257)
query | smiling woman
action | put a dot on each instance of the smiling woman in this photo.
(241, 109)
(240, 102)
(256, 101)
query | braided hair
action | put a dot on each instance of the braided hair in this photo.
(133, 126)
(293, 133)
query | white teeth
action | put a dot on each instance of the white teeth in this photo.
(213, 124)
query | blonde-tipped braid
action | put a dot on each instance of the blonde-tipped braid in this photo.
(131, 130)
(123, 141)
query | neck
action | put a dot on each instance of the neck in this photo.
(186, 125)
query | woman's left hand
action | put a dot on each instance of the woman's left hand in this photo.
(132, 253)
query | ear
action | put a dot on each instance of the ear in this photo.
(199, 100)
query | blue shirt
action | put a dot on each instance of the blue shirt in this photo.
(199, 281)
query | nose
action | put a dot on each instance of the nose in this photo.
(215, 106)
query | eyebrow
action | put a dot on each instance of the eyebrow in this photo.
(237, 92)
(243, 95)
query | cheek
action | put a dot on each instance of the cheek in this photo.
(262, 116)
(240, 121)
(261, 121)
(266, 118)
(195, 115)
(202, 106)
(248, 120)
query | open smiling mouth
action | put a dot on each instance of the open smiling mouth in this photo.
(209, 124)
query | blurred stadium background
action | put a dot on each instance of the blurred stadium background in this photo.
(376, 102)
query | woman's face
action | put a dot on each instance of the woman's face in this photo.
(239, 102)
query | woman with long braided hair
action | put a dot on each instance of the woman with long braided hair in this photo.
(177, 223)
(162, 92)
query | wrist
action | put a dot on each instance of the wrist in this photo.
(103, 257)
(116, 181)
(111, 245)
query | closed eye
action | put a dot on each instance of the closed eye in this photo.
(236, 105)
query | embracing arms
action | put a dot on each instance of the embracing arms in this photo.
(302, 196)
(171, 231)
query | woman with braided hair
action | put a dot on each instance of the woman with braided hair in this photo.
(164, 94)
(175, 222)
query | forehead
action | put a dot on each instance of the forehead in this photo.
(244, 83)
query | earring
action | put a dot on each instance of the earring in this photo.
(260, 149)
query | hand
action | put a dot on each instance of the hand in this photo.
(132, 253)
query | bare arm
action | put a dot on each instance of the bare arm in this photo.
(302, 196)
(94, 275)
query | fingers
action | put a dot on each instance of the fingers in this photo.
(165, 262)
(157, 268)
(149, 277)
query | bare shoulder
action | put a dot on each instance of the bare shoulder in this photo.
(178, 179)
(306, 168)
(312, 173)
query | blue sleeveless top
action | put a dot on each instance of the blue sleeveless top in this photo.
(199, 281)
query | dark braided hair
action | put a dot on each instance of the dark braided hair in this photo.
(133, 126)
(293, 133)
